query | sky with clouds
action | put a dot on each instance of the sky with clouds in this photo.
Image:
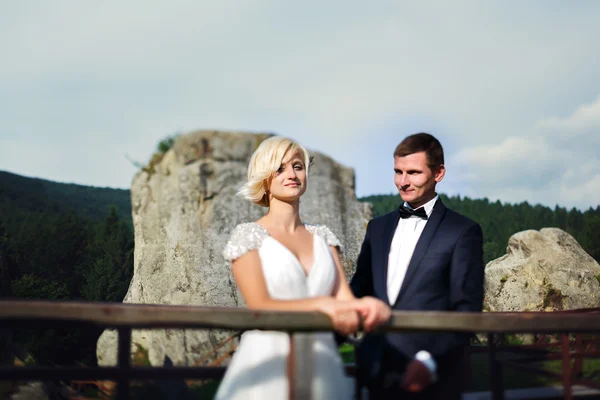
(511, 88)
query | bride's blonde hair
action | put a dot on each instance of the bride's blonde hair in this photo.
(265, 161)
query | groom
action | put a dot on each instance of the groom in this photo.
(421, 256)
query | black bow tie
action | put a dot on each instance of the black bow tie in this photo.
(407, 212)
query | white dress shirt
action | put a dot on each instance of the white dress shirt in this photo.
(404, 242)
(403, 246)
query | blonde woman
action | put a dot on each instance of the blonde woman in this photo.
(280, 263)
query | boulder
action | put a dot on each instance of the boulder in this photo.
(544, 270)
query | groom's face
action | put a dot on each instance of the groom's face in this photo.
(415, 180)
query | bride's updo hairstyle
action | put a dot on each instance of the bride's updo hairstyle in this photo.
(265, 161)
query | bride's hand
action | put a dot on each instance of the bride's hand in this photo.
(343, 316)
(373, 311)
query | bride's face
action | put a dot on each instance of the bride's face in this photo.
(289, 181)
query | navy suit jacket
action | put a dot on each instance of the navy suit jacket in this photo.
(445, 273)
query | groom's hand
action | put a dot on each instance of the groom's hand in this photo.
(343, 316)
(373, 311)
(416, 377)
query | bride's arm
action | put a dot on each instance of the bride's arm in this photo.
(248, 275)
(373, 311)
(342, 291)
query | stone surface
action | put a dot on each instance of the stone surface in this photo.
(184, 207)
(30, 391)
(544, 270)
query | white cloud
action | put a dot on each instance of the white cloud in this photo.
(558, 164)
(579, 131)
(585, 119)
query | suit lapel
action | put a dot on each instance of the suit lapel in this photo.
(437, 215)
(388, 234)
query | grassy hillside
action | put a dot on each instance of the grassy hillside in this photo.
(38, 195)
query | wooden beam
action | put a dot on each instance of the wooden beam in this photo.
(517, 322)
(300, 366)
(168, 316)
(162, 316)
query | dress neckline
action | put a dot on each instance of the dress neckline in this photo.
(304, 271)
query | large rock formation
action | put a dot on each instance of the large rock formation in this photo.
(544, 270)
(184, 208)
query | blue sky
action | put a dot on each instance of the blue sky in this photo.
(511, 88)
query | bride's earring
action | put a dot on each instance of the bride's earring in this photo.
(265, 190)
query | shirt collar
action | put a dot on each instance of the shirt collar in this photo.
(427, 206)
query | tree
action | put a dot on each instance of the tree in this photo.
(108, 267)
(166, 144)
(30, 286)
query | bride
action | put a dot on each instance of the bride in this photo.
(280, 263)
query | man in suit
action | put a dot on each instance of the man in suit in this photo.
(422, 256)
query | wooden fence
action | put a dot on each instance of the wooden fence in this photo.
(125, 317)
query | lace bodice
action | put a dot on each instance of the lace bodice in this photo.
(284, 275)
(249, 236)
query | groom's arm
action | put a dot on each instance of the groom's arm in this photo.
(466, 294)
(467, 271)
(466, 284)
(362, 281)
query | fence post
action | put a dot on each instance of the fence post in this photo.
(496, 375)
(300, 366)
(124, 362)
(579, 348)
(467, 383)
(566, 366)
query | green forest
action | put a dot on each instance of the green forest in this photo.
(64, 241)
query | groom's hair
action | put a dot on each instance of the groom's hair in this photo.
(422, 142)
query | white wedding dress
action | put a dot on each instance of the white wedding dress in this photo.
(258, 369)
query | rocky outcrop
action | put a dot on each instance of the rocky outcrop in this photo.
(544, 270)
(184, 207)
(30, 391)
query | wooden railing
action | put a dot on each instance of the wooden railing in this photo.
(125, 317)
